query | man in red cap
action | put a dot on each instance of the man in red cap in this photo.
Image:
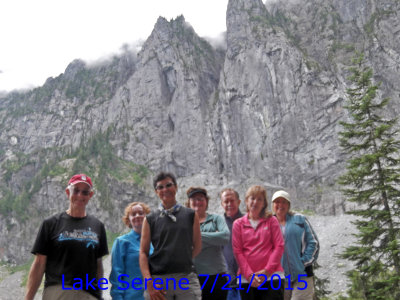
(69, 249)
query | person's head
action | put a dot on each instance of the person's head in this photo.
(162, 176)
(134, 215)
(280, 203)
(256, 201)
(197, 199)
(230, 201)
(165, 187)
(79, 191)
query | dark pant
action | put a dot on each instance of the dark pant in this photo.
(217, 292)
(264, 292)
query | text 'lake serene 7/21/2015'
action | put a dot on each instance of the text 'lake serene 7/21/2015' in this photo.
(136, 283)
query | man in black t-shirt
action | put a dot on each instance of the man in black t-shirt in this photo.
(69, 249)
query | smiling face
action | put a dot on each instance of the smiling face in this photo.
(230, 203)
(166, 191)
(198, 202)
(136, 217)
(79, 195)
(255, 205)
(281, 206)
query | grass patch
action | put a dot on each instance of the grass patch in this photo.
(21, 268)
(307, 212)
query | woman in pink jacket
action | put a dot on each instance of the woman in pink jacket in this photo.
(258, 246)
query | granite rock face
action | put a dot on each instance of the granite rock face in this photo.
(263, 110)
(165, 106)
(283, 85)
(277, 116)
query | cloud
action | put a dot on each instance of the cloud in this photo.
(127, 49)
(88, 30)
(217, 42)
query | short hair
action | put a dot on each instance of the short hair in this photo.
(163, 175)
(229, 190)
(201, 190)
(127, 211)
(259, 190)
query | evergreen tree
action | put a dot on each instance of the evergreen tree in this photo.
(321, 289)
(371, 180)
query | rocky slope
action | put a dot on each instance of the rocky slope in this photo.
(265, 109)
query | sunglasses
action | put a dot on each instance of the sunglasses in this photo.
(83, 192)
(167, 186)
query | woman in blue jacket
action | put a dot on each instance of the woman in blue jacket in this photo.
(301, 249)
(125, 256)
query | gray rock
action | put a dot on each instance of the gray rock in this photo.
(265, 110)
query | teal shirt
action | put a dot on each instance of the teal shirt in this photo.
(214, 235)
(125, 260)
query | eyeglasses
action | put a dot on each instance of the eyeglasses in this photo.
(167, 186)
(83, 192)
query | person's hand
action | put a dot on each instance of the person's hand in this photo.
(254, 280)
(264, 272)
(259, 280)
(156, 294)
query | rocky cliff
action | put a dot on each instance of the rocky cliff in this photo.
(264, 109)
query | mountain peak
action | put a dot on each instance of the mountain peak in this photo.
(73, 68)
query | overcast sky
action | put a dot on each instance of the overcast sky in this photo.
(39, 38)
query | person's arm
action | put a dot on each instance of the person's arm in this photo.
(100, 269)
(103, 250)
(144, 262)
(144, 250)
(218, 238)
(35, 276)
(311, 249)
(196, 236)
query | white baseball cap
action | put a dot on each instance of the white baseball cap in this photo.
(281, 194)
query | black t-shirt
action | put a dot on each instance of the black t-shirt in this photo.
(172, 242)
(72, 246)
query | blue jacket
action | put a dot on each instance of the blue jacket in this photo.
(125, 260)
(301, 245)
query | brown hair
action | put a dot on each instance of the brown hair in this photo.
(200, 190)
(128, 209)
(259, 190)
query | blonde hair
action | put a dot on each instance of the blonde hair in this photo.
(256, 190)
(128, 209)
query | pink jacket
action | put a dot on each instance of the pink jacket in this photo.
(257, 249)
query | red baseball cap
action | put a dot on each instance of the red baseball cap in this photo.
(80, 178)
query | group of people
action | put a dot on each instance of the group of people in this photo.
(178, 251)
